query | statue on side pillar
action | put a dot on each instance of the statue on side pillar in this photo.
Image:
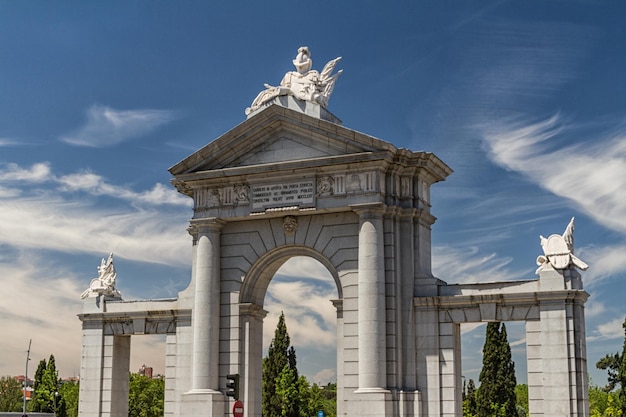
(558, 251)
(104, 284)
(304, 83)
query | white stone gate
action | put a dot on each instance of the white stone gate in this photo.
(291, 181)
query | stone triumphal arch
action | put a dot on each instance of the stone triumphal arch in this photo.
(288, 181)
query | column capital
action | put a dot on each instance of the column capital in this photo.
(338, 304)
(205, 225)
(365, 210)
(253, 310)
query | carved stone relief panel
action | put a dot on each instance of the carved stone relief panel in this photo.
(226, 196)
(325, 185)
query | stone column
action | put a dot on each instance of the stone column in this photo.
(206, 307)
(371, 299)
(251, 372)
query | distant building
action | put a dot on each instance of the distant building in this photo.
(145, 371)
(29, 385)
(72, 379)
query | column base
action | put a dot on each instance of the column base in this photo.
(370, 402)
(203, 402)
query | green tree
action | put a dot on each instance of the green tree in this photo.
(324, 399)
(67, 402)
(288, 393)
(621, 376)
(45, 387)
(496, 394)
(612, 410)
(10, 394)
(145, 396)
(521, 394)
(611, 364)
(37, 381)
(598, 400)
(615, 365)
(279, 355)
(469, 399)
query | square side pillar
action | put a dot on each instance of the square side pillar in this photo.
(115, 380)
(427, 360)
(91, 372)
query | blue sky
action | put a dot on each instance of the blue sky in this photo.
(526, 101)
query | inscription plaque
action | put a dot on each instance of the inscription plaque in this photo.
(301, 193)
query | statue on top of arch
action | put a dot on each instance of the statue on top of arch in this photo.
(304, 83)
(558, 251)
(104, 284)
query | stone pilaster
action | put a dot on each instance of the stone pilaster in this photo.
(251, 372)
(340, 355)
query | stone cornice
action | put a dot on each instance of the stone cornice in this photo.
(137, 322)
(524, 298)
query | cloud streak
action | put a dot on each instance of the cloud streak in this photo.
(590, 175)
(40, 302)
(38, 216)
(9, 142)
(105, 126)
(468, 265)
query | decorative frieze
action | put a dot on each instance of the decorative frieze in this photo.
(301, 193)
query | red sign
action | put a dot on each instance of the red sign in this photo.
(238, 409)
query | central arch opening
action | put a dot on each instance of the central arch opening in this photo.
(303, 289)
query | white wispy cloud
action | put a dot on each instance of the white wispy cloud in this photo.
(608, 330)
(74, 227)
(308, 309)
(97, 185)
(106, 126)
(11, 172)
(469, 265)
(589, 174)
(605, 260)
(304, 267)
(85, 181)
(38, 216)
(9, 142)
(39, 301)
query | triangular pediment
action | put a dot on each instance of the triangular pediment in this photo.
(278, 135)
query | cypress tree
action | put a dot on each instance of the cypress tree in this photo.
(470, 397)
(509, 382)
(279, 355)
(46, 385)
(487, 392)
(35, 405)
(496, 394)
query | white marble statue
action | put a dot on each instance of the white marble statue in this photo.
(304, 83)
(558, 251)
(105, 283)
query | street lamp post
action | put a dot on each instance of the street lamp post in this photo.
(26, 376)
